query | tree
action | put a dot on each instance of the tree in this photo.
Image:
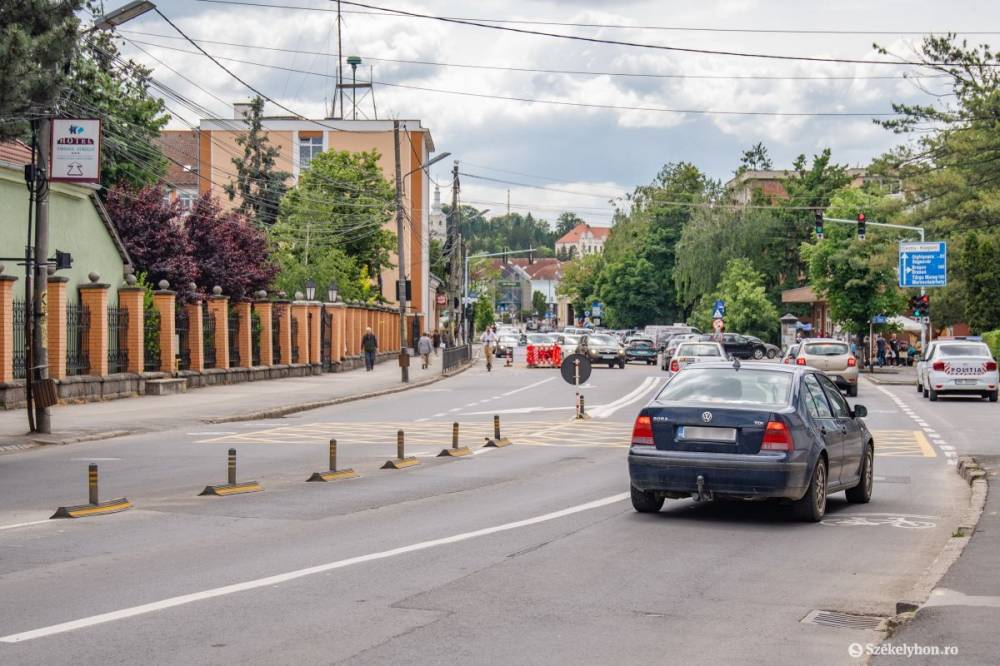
(538, 304)
(484, 313)
(979, 262)
(748, 309)
(857, 279)
(258, 184)
(229, 251)
(154, 236)
(342, 201)
(566, 222)
(755, 159)
(579, 280)
(37, 39)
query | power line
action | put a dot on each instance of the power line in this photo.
(624, 26)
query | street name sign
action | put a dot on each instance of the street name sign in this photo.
(923, 264)
(75, 151)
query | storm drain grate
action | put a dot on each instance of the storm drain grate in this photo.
(827, 618)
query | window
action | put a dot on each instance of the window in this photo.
(840, 407)
(760, 389)
(309, 147)
(812, 395)
(185, 200)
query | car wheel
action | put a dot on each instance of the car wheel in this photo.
(771, 353)
(852, 391)
(621, 365)
(862, 493)
(992, 395)
(758, 354)
(812, 507)
(933, 395)
(645, 502)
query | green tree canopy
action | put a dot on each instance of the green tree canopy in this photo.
(258, 185)
(748, 309)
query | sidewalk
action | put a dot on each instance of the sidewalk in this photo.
(964, 609)
(895, 375)
(214, 404)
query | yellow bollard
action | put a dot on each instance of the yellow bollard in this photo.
(333, 474)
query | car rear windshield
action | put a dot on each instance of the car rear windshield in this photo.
(826, 349)
(508, 339)
(640, 344)
(698, 350)
(538, 339)
(963, 350)
(761, 388)
(601, 340)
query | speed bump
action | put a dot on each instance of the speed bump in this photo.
(94, 507)
(455, 451)
(231, 487)
(497, 440)
(401, 461)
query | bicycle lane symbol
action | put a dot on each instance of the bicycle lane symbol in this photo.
(882, 520)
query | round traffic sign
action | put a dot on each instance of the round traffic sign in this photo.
(575, 369)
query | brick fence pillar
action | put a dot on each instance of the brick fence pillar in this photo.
(264, 310)
(218, 310)
(300, 313)
(130, 299)
(94, 297)
(245, 341)
(196, 339)
(165, 302)
(315, 333)
(56, 296)
(7, 328)
(283, 311)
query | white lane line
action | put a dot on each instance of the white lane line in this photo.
(268, 581)
(16, 525)
(454, 410)
(426, 418)
(647, 385)
(484, 450)
(529, 386)
(438, 415)
(93, 459)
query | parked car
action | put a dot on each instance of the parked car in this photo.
(602, 349)
(671, 346)
(741, 346)
(833, 358)
(640, 349)
(695, 352)
(757, 431)
(790, 354)
(957, 367)
(771, 351)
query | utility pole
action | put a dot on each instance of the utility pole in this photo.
(454, 234)
(39, 314)
(401, 253)
(340, 67)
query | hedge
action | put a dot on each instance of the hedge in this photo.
(992, 338)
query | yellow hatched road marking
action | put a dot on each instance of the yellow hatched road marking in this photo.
(902, 444)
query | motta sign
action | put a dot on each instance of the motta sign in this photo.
(76, 150)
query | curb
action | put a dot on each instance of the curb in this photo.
(975, 476)
(308, 406)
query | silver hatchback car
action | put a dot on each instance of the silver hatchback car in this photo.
(833, 358)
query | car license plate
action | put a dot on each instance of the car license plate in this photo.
(707, 434)
(964, 382)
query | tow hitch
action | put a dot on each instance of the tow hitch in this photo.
(702, 494)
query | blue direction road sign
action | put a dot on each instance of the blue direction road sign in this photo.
(879, 319)
(923, 264)
(719, 309)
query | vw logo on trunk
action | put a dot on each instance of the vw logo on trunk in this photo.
(706, 417)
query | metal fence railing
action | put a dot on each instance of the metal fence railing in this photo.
(77, 327)
(255, 327)
(117, 339)
(20, 340)
(208, 337)
(326, 340)
(233, 321)
(455, 356)
(276, 316)
(182, 328)
(151, 340)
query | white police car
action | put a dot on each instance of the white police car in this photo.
(958, 367)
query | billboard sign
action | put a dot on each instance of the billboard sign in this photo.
(75, 151)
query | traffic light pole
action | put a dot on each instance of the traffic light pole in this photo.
(924, 330)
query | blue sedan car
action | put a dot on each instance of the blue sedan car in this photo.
(750, 431)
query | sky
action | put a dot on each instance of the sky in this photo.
(564, 157)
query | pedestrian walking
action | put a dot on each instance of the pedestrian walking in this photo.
(424, 347)
(911, 354)
(436, 338)
(369, 344)
(488, 339)
(880, 351)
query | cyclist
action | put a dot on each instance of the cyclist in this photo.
(488, 339)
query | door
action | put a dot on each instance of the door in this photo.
(853, 437)
(818, 408)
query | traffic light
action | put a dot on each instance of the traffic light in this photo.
(920, 306)
(819, 223)
(862, 227)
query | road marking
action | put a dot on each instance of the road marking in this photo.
(529, 386)
(604, 411)
(925, 446)
(520, 410)
(16, 525)
(93, 459)
(278, 579)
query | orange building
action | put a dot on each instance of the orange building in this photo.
(298, 141)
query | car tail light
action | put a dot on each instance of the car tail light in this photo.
(851, 362)
(642, 431)
(991, 366)
(800, 361)
(938, 366)
(777, 437)
(675, 367)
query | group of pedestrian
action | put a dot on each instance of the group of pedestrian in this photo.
(892, 352)
(427, 343)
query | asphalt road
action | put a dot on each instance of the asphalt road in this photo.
(525, 554)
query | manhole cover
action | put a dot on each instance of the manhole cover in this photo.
(827, 618)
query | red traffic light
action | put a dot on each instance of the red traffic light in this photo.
(861, 217)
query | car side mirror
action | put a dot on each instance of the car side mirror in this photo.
(860, 411)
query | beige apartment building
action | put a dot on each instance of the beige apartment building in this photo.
(298, 141)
